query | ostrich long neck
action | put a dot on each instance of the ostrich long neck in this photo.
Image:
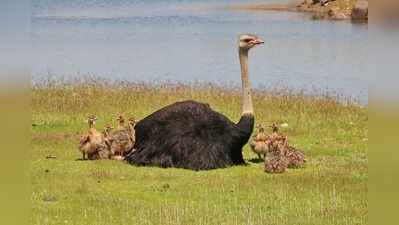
(247, 107)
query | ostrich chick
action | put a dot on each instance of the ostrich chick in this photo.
(296, 158)
(106, 134)
(276, 141)
(130, 127)
(120, 140)
(276, 164)
(92, 141)
(258, 143)
(282, 155)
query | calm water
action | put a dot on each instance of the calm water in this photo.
(182, 40)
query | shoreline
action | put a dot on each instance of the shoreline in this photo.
(334, 10)
(264, 7)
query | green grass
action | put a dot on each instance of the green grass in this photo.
(331, 189)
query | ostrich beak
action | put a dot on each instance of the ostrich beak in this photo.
(258, 41)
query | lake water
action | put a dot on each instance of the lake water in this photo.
(182, 40)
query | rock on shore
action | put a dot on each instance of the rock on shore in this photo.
(336, 9)
(361, 10)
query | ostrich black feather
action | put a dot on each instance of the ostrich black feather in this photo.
(190, 135)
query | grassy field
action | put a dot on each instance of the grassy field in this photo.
(331, 189)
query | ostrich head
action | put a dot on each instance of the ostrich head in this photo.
(91, 120)
(121, 120)
(107, 129)
(247, 41)
(260, 128)
(274, 127)
(132, 121)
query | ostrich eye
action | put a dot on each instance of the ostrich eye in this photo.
(248, 39)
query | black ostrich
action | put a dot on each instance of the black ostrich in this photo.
(191, 135)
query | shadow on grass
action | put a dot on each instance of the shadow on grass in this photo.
(256, 160)
(80, 159)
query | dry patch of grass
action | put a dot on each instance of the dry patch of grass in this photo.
(319, 12)
(342, 6)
